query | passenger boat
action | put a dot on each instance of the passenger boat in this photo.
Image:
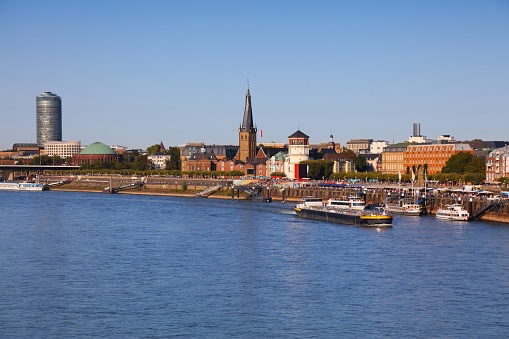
(21, 186)
(403, 207)
(452, 212)
(350, 203)
(356, 215)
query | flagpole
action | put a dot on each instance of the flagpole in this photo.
(413, 179)
(425, 181)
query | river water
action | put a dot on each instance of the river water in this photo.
(122, 266)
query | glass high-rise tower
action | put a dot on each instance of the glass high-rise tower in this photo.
(49, 118)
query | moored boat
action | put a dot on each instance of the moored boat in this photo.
(357, 215)
(347, 203)
(21, 186)
(452, 212)
(403, 207)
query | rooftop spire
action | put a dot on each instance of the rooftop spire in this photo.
(247, 121)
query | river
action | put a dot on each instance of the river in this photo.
(130, 266)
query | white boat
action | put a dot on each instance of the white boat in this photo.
(312, 202)
(350, 203)
(21, 186)
(403, 207)
(452, 212)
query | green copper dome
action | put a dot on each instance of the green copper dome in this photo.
(98, 148)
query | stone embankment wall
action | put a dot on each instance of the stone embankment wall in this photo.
(291, 194)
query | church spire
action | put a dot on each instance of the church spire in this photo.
(247, 122)
(247, 133)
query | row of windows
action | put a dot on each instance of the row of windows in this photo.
(298, 142)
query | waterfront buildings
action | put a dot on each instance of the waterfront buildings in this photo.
(276, 163)
(359, 145)
(327, 147)
(246, 157)
(393, 158)
(343, 163)
(95, 152)
(49, 118)
(377, 147)
(373, 161)
(432, 157)
(298, 151)
(26, 149)
(159, 160)
(497, 164)
(63, 149)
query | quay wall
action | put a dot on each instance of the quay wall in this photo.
(290, 194)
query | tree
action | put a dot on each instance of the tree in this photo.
(360, 164)
(476, 165)
(174, 163)
(318, 169)
(48, 160)
(153, 149)
(141, 163)
(464, 162)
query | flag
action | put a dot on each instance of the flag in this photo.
(413, 176)
(399, 176)
(261, 133)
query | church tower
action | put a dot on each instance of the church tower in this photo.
(247, 132)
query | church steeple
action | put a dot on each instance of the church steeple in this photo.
(247, 132)
(247, 121)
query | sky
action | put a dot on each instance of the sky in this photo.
(135, 73)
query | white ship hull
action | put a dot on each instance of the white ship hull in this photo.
(21, 186)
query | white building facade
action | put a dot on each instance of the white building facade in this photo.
(298, 150)
(276, 163)
(359, 145)
(497, 164)
(63, 149)
(377, 147)
(159, 160)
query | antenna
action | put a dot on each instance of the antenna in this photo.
(247, 83)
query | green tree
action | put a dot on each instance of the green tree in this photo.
(48, 160)
(360, 164)
(476, 165)
(141, 163)
(153, 149)
(174, 163)
(464, 162)
(318, 169)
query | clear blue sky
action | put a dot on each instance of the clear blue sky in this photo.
(134, 73)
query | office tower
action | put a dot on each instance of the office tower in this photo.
(417, 129)
(49, 118)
